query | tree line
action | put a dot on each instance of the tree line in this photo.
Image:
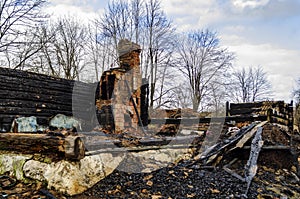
(184, 69)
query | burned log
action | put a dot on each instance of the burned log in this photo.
(70, 147)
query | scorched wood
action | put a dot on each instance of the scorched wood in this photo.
(70, 147)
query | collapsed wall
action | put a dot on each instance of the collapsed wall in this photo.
(25, 94)
(122, 101)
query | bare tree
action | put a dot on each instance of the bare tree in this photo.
(115, 22)
(215, 101)
(62, 46)
(26, 56)
(158, 45)
(202, 61)
(137, 15)
(44, 60)
(97, 50)
(69, 46)
(182, 95)
(250, 85)
(17, 20)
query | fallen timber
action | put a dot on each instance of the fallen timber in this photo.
(191, 121)
(105, 144)
(70, 147)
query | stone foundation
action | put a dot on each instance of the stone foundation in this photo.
(66, 177)
(71, 178)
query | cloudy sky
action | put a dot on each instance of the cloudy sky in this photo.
(262, 33)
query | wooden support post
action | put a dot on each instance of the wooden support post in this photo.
(291, 116)
(269, 115)
(227, 108)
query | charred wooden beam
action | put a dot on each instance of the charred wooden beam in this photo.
(190, 121)
(103, 142)
(145, 101)
(70, 147)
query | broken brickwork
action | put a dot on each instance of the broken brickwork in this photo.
(120, 102)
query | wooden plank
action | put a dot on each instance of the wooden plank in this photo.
(167, 140)
(85, 109)
(29, 82)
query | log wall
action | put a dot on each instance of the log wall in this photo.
(24, 94)
(276, 111)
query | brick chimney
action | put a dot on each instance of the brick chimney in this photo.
(128, 85)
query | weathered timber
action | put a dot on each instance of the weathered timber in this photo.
(102, 142)
(190, 121)
(251, 166)
(184, 140)
(32, 111)
(33, 104)
(70, 147)
(136, 149)
(234, 174)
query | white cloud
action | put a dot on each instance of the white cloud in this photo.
(85, 13)
(280, 64)
(191, 13)
(85, 10)
(241, 4)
